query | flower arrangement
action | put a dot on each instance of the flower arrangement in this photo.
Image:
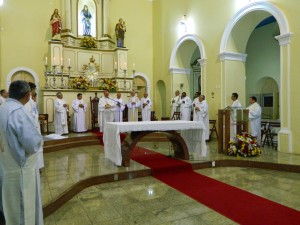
(244, 145)
(108, 84)
(88, 42)
(80, 83)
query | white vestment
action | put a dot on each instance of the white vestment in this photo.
(31, 108)
(133, 109)
(255, 121)
(236, 105)
(175, 105)
(19, 143)
(105, 114)
(79, 116)
(60, 118)
(185, 108)
(2, 100)
(146, 110)
(202, 115)
(118, 114)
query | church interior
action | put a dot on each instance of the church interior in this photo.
(213, 47)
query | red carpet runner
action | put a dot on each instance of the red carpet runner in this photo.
(234, 203)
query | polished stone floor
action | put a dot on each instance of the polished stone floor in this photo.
(147, 200)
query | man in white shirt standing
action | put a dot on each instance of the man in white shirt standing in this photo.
(175, 103)
(201, 113)
(235, 102)
(185, 107)
(20, 142)
(118, 115)
(79, 107)
(61, 118)
(236, 105)
(106, 110)
(133, 105)
(255, 118)
(146, 107)
(3, 96)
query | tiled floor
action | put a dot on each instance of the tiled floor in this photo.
(147, 200)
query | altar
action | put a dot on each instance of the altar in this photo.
(191, 132)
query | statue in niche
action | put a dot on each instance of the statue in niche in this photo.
(55, 22)
(120, 33)
(92, 71)
(86, 20)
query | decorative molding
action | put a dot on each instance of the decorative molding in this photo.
(255, 6)
(233, 56)
(202, 62)
(284, 39)
(184, 71)
(18, 69)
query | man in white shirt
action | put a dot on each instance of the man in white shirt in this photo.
(20, 142)
(201, 113)
(79, 107)
(133, 105)
(106, 110)
(146, 107)
(175, 103)
(236, 105)
(255, 118)
(3, 96)
(185, 107)
(61, 118)
(235, 102)
(118, 115)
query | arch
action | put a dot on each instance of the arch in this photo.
(255, 6)
(17, 69)
(144, 76)
(179, 42)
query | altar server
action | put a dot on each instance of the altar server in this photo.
(201, 113)
(61, 117)
(133, 105)
(20, 142)
(120, 106)
(255, 118)
(185, 107)
(146, 107)
(106, 110)
(79, 107)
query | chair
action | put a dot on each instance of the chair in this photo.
(43, 118)
(213, 129)
(153, 117)
(176, 116)
(94, 111)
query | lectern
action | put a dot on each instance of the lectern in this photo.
(231, 122)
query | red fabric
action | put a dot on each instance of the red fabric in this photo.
(234, 203)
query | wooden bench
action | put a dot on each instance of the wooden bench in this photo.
(213, 128)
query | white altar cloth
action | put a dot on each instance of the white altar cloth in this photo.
(191, 132)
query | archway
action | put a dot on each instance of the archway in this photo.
(233, 58)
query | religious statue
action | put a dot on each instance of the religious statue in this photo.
(120, 30)
(86, 17)
(55, 22)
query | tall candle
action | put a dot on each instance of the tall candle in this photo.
(69, 61)
(125, 66)
(53, 61)
(116, 65)
(62, 61)
(46, 61)
(133, 66)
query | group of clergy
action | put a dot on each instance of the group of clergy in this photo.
(185, 105)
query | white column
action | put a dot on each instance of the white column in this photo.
(105, 16)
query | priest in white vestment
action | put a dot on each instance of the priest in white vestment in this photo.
(236, 105)
(79, 107)
(3, 96)
(120, 106)
(133, 105)
(61, 117)
(175, 103)
(185, 107)
(106, 110)
(20, 142)
(201, 113)
(146, 107)
(255, 118)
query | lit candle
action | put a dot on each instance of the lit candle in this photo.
(116, 65)
(62, 61)
(69, 61)
(133, 66)
(125, 66)
(46, 61)
(53, 61)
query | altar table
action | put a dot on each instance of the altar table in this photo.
(191, 131)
